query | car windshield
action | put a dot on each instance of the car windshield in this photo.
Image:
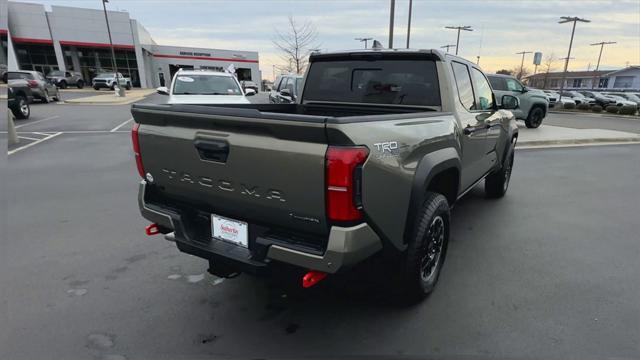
(56, 73)
(19, 76)
(205, 85)
(106, 75)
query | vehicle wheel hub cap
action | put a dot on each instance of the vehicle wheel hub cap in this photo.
(433, 249)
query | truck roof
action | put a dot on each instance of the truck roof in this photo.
(203, 72)
(434, 54)
(340, 53)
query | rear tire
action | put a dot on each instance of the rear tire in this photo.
(23, 111)
(63, 84)
(497, 183)
(422, 263)
(534, 120)
(80, 84)
(128, 86)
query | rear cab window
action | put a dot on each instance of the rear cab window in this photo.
(384, 81)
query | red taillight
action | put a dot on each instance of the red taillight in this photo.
(136, 149)
(32, 83)
(343, 184)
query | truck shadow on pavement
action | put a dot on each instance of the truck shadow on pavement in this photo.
(348, 298)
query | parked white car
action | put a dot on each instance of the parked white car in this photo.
(556, 96)
(205, 87)
(620, 101)
(108, 80)
(578, 98)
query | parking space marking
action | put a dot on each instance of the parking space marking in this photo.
(121, 125)
(28, 138)
(38, 121)
(33, 143)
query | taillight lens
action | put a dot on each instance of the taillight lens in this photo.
(343, 182)
(136, 149)
(32, 83)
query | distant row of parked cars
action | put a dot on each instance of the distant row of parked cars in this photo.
(603, 99)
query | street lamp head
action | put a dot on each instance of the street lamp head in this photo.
(566, 19)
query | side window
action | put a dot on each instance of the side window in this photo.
(280, 85)
(67, 74)
(484, 94)
(290, 85)
(498, 83)
(463, 83)
(513, 85)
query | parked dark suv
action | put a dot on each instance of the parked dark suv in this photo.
(286, 89)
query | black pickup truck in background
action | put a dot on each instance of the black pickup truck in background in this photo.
(378, 148)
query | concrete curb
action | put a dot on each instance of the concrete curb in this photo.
(115, 102)
(542, 143)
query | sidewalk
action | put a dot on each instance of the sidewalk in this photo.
(109, 98)
(548, 135)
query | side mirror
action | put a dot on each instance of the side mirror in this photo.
(162, 90)
(249, 92)
(509, 102)
(524, 89)
(286, 92)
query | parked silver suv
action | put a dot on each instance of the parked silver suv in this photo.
(66, 78)
(533, 103)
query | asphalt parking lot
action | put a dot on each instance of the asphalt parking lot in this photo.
(550, 271)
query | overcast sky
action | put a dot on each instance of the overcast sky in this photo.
(501, 28)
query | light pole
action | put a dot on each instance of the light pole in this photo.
(391, 16)
(409, 23)
(463, 28)
(522, 63)
(119, 89)
(364, 40)
(602, 44)
(574, 20)
(447, 47)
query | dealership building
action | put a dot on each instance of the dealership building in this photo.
(76, 39)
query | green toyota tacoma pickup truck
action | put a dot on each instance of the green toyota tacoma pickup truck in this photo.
(377, 150)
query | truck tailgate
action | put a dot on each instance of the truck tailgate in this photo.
(243, 165)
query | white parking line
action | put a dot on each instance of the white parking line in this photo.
(37, 121)
(33, 143)
(28, 138)
(121, 125)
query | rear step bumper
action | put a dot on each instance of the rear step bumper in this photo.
(346, 246)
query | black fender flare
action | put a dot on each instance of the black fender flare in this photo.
(429, 166)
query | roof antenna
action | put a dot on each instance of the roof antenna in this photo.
(377, 45)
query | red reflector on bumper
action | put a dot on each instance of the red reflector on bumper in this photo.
(152, 229)
(312, 277)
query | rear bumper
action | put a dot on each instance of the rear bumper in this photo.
(346, 246)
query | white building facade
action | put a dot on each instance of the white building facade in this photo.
(76, 39)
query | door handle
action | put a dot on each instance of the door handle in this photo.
(213, 150)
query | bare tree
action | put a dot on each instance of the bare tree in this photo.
(548, 66)
(515, 71)
(296, 44)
